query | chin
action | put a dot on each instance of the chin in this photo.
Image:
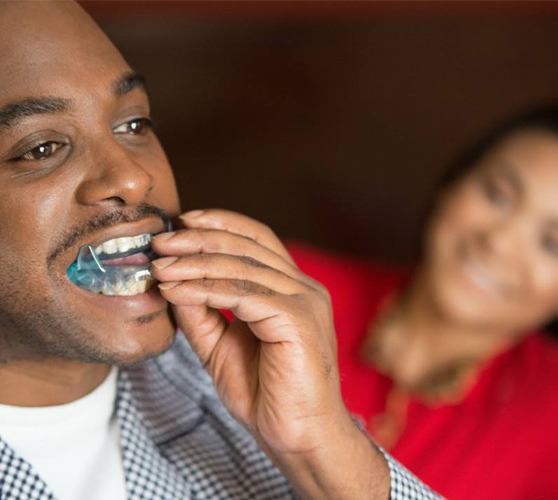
(464, 307)
(145, 338)
(459, 309)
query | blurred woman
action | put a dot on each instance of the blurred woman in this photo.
(446, 364)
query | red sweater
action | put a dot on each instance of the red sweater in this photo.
(500, 442)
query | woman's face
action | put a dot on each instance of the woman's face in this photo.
(491, 249)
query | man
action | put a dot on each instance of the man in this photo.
(81, 166)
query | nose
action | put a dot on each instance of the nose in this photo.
(114, 178)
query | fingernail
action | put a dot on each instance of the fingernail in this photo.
(163, 262)
(193, 214)
(168, 285)
(165, 236)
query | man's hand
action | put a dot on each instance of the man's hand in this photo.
(275, 364)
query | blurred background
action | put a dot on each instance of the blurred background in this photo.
(331, 121)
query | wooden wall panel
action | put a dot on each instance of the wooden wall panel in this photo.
(333, 128)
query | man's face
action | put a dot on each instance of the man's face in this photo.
(78, 164)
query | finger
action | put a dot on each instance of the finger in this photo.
(215, 241)
(203, 326)
(249, 302)
(236, 223)
(224, 267)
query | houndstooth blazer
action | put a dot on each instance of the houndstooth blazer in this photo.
(178, 442)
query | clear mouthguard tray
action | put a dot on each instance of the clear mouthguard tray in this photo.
(89, 272)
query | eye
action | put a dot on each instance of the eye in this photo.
(42, 151)
(496, 193)
(550, 244)
(137, 126)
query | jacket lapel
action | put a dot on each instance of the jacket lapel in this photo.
(149, 475)
(18, 480)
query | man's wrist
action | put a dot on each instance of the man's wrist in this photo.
(345, 465)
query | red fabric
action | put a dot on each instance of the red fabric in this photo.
(500, 442)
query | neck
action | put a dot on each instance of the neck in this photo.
(425, 351)
(48, 382)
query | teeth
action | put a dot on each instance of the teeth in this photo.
(481, 277)
(123, 244)
(139, 282)
(133, 287)
(108, 247)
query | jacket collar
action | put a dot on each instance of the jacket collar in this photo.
(149, 475)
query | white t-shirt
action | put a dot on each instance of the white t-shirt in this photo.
(75, 447)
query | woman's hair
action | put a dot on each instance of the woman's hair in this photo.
(543, 118)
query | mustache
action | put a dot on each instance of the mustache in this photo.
(106, 220)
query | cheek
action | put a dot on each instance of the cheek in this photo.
(541, 296)
(34, 216)
(454, 215)
(29, 222)
(165, 193)
(23, 249)
(462, 213)
(457, 220)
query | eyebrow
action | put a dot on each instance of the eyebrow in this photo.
(11, 114)
(512, 175)
(128, 82)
